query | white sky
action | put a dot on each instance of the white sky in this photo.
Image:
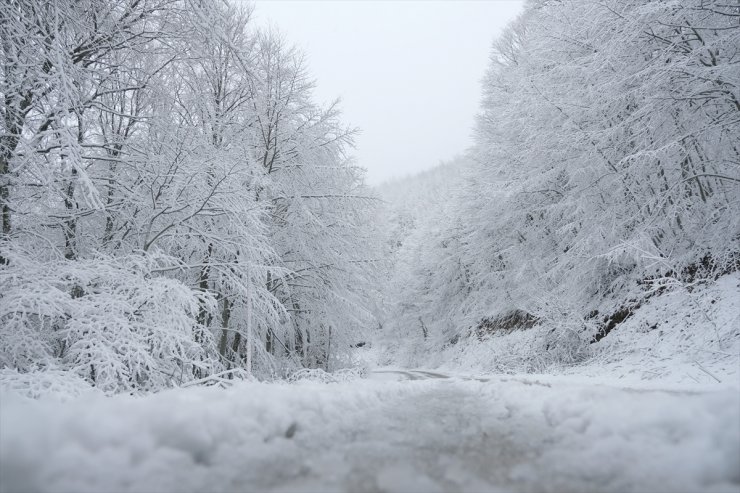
(408, 72)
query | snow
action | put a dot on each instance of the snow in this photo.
(682, 338)
(168, 217)
(398, 430)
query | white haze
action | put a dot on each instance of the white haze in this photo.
(408, 72)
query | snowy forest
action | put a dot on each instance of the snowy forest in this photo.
(605, 172)
(168, 184)
(183, 221)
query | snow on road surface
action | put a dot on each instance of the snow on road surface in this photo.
(397, 431)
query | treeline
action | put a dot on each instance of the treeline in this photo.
(167, 183)
(606, 168)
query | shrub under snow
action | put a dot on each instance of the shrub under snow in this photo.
(110, 321)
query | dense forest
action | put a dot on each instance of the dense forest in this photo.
(606, 170)
(175, 205)
(173, 199)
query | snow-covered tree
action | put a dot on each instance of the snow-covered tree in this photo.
(318, 209)
(605, 167)
(162, 160)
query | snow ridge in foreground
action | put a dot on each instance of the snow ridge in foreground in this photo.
(511, 433)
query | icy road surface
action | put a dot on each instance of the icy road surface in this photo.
(398, 431)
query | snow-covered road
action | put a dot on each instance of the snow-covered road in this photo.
(399, 430)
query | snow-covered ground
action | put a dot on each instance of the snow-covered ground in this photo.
(394, 431)
(683, 337)
(656, 408)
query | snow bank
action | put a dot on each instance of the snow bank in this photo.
(153, 443)
(625, 439)
(445, 434)
(49, 383)
(680, 337)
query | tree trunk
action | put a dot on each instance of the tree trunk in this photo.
(225, 317)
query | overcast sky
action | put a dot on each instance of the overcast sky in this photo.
(408, 72)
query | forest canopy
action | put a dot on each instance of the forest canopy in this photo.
(173, 199)
(177, 207)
